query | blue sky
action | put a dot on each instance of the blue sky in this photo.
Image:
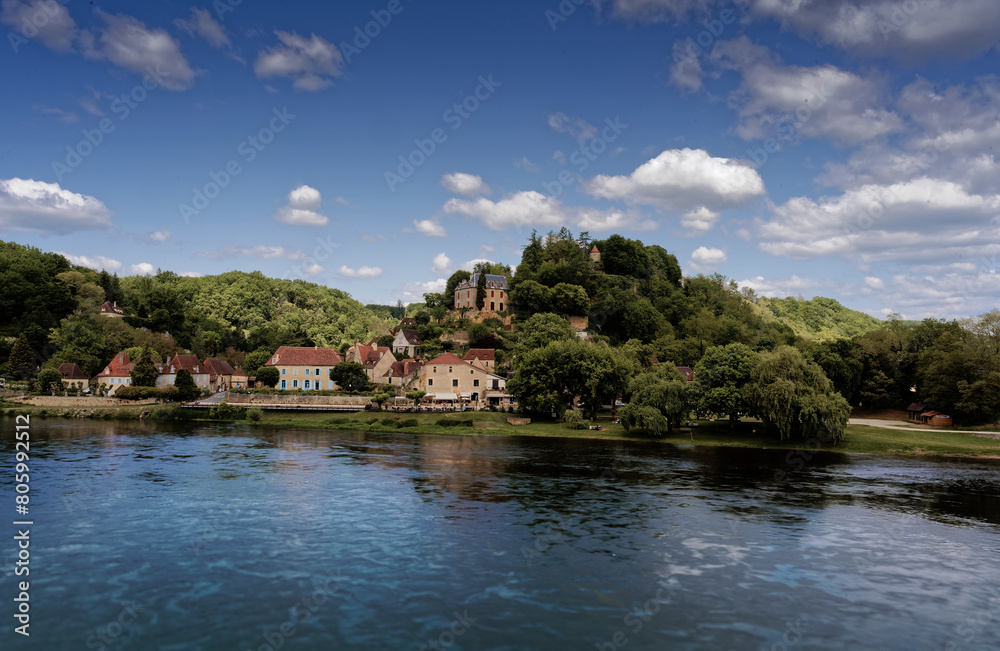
(842, 148)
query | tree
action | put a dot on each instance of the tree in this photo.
(643, 417)
(49, 379)
(22, 360)
(454, 281)
(380, 399)
(719, 379)
(212, 342)
(350, 376)
(385, 341)
(144, 373)
(570, 299)
(480, 290)
(416, 395)
(541, 330)
(268, 376)
(663, 389)
(135, 352)
(255, 360)
(530, 297)
(185, 384)
(547, 379)
(624, 257)
(795, 397)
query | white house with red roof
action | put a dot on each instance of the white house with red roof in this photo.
(305, 368)
(200, 373)
(484, 358)
(448, 378)
(402, 373)
(116, 374)
(407, 341)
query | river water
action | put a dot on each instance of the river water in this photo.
(174, 538)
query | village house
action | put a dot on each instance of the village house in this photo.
(449, 379)
(240, 379)
(220, 374)
(112, 310)
(376, 359)
(402, 373)
(116, 374)
(72, 376)
(497, 289)
(407, 341)
(484, 358)
(200, 373)
(305, 368)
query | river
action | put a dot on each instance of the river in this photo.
(164, 537)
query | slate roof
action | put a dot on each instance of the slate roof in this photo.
(71, 372)
(411, 337)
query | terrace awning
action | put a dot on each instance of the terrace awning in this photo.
(444, 396)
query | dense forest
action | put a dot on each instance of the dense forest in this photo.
(800, 365)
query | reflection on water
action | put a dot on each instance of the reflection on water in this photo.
(154, 537)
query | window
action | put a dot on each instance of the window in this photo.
(493, 306)
(501, 307)
(307, 384)
(430, 382)
(295, 371)
(492, 293)
(454, 383)
(284, 371)
(475, 383)
(317, 371)
(308, 371)
(284, 384)
(295, 384)
(496, 384)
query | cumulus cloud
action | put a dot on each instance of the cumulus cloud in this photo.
(577, 128)
(699, 221)
(905, 31)
(143, 269)
(441, 265)
(875, 282)
(360, 272)
(530, 209)
(414, 292)
(127, 42)
(159, 236)
(97, 262)
(681, 180)
(202, 24)
(781, 101)
(430, 228)
(924, 219)
(704, 258)
(469, 185)
(779, 287)
(303, 202)
(57, 31)
(46, 208)
(310, 62)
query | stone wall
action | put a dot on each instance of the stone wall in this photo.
(302, 400)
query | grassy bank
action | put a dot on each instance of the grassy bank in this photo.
(859, 438)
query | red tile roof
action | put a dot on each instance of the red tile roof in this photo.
(119, 366)
(687, 372)
(403, 368)
(485, 354)
(71, 372)
(296, 356)
(411, 337)
(190, 363)
(217, 366)
(448, 358)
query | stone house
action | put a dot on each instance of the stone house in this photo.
(305, 368)
(376, 359)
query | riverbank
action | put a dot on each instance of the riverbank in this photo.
(863, 439)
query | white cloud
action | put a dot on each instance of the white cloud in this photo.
(699, 221)
(909, 31)
(531, 209)
(874, 282)
(262, 252)
(310, 62)
(414, 292)
(469, 185)
(29, 205)
(681, 180)
(704, 258)
(97, 262)
(202, 24)
(686, 72)
(303, 202)
(128, 43)
(143, 269)
(430, 228)
(578, 128)
(313, 269)
(784, 102)
(779, 287)
(524, 164)
(159, 236)
(190, 274)
(441, 265)
(922, 220)
(58, 29)
(470, 265)
(361, 272)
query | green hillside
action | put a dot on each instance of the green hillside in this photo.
(821, 319)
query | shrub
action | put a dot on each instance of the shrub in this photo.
(573, 419)
(255, 414)
(226, 411)
(407, 422)
(447, 422)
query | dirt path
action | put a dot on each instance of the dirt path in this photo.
(887, 424)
